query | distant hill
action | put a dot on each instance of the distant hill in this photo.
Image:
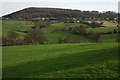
(34, 12)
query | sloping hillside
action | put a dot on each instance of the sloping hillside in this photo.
(89, 60)
(38, 12)
(13, 25)
(55, 32)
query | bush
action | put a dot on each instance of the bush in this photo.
(82, 31)
(118, 38)
(4, 41)
(96, 24)
(35, 37)
(79, 30)
(115, 31)
(12, 37)
(41, 24)
(94, 36)
(61, 40)
(101, 22)
(71, 39)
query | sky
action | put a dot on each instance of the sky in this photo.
(9, 6)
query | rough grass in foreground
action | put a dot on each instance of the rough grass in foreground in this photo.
(84, 60)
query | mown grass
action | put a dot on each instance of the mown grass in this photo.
(12, 25)
(84, 60)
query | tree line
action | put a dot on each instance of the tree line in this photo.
(34, 13)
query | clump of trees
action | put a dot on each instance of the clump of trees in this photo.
(79, 30)
(69, 39)
(94, 36)
(32, 37)
(4, 41)
(35, 37)
(42, 24)
(93, 24)
(49, 13)
(11, 39)
(82, 31)
(96, 24)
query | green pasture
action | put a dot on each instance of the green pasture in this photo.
(83, 60)
(103, 29)
(109, 37)
(108, 23)
(12, 25)
(53, 33)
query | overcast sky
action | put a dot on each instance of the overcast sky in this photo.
(9, 6)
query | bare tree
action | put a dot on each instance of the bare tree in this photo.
(35, 37)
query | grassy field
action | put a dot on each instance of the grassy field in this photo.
(106, 37)
(83, 60)
(110, 24)
(103, 29)
(53, 32)
(12, 25)
(109, 38)
(107, 23)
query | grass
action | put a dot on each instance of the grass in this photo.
(103, 29)
(53, 32)
(109, 37)
(83, 60)
(107, 23)
(106, 37)
(50, 33)
(12, 25)
(110, 24)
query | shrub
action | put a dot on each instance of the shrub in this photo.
(94, 36)
(79, 30)
(101, 22)
(35, 37)
(41, 24)
(115, 31)
(61, 40)
(96, 24)
(12, 36)
(71, 39)
(4, 41)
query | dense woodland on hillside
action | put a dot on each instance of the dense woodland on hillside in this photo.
(34, 13)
